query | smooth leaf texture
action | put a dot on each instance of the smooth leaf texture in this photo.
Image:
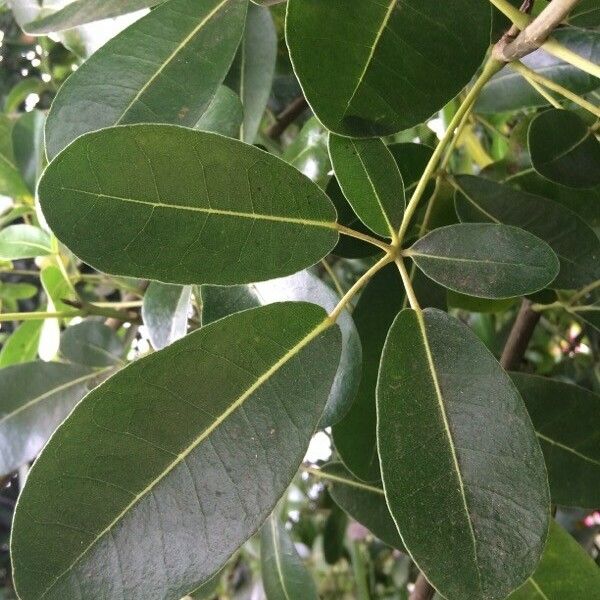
(355, 435)
(80, 12)
(566, 571)
(574, 242)
(486, 260)
(182, 206)
(23, 241)
(35, 398)
(566, 418)
(28, 146)
(371, 181)
(161, 470)
(218, 302)
(165, 312)
(91, 343)
(22, 345)
(508, 90)
(253, 69)
(364, 502)
(224, 114)
(564, 150)
(11, 182)
(334, 535)
(284, 575)
(165, 68)
(384, 66)
(459, 459)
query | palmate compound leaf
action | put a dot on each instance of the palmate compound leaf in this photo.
(486, 260)
(566, 418)
(181, 206)
(165, 68)
(284, 575)
(161, 473)
(370, 68)
(460, 461)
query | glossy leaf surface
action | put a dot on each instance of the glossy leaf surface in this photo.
(23, 241)
(459, 459)
(91, 343)
(355, 435)
(165, 68)
(218, 302)
(384, 67)
(165, 312)
(564, 150)
(370, 180)
(35, 398)
(284, 575)
(566, 418)
(364, 502)
(574, 242)
(180, 441)
(233, 214)
(486, 260)
(566, 571)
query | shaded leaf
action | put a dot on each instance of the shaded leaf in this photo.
(165, 68)
(486, 260)
(364, 502)
(384, 67)
(308, 152)
(284, 575)
(91, 343)
(566, 571)
(232, 214)
(36, 397)
(564, 150)
(23, 241)
(566, 418)
(371, 181)
(224, 114)
(573, 241)
(334, 535)
(28, 146)
(11, 182)
(459, 459)
(165, 312)
(205, 421)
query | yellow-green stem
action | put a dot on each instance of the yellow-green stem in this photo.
(408, 288)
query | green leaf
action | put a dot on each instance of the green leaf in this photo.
(371, 181)
(17, 291)
(284, 575)
(566, 571)
(566, 419)
(20, 91)
(57, 288)
(36, 397)
(224, 114)
(459, 459)
(161, 470)
(11, 182)
(508, 90)
(165, 68)
(23, 241)
(218, 302)
(28, 146)
(91, 343)
(334, 535)
(371, 69)
(355, 435)
(253, 69)
(364, 502)
(165, 312)
(80, 12)
(486, 260)
(585, 14)
(22, 345)
(564, 150)
(574, 242)
(182, 206)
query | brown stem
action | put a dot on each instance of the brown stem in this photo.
(289, 114)
(423, 589)
(519, 336)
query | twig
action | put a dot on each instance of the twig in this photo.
(289, 114)
(519, 336)
(423, 589)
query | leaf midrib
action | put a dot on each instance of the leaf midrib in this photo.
(413, 253)
(567, 449)
(206, 210)
(320, 328)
